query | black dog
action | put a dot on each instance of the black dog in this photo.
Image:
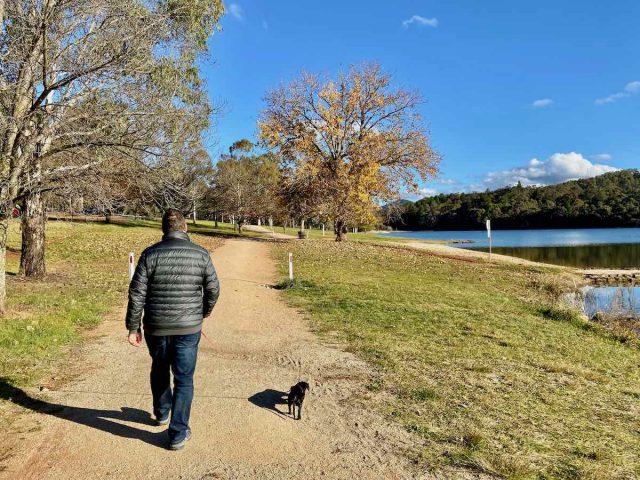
(296, 397)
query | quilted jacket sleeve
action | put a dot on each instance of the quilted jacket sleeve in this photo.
(137, 295)
(210, 287)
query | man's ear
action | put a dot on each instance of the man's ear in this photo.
(186, 227)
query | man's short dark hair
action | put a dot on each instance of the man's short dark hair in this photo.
(173, 221)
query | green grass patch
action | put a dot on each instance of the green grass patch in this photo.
(478, 360)
(87, 267)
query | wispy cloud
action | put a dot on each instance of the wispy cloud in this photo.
(438, 186)
(603, 157)
(236, 11)
(633, 87)
(428, 192)
(265, 25)
(421, 21)
(447, 181)
(628, 90)
(542, 103)
(558, 168)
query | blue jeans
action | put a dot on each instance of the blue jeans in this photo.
(177, 354)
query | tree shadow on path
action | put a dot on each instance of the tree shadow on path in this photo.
(90, 417)
(269, 399)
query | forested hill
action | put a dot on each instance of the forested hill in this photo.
(609, 200)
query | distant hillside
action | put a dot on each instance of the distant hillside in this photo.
(609, 200)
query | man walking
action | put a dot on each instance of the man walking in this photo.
(176, 286)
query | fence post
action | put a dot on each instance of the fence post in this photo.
(291, 266)
(132, 267)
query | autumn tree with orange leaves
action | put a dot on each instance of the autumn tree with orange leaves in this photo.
(347, 145)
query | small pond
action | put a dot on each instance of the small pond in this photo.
(620, 301)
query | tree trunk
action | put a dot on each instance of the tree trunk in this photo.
(195, 218)
(4, 226)
(341, 230)
(32, 262)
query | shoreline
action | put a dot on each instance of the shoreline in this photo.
(593, 276)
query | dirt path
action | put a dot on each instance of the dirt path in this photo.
(455, 252)
(98, 426)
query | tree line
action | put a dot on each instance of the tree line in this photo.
(102, 97)
(329, 151)
(609, 200)
(104, 110)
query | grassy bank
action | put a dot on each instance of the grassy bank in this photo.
(478, 360)
(87, 277)
(363, 237)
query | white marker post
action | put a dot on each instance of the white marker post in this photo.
(489, 236)
(291, 266)
(132, 267)
(323, 229)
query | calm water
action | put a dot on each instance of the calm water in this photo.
(587, 247)
(617, 300)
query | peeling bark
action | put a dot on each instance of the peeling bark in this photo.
(32, 263)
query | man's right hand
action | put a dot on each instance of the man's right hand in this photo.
(135, 338)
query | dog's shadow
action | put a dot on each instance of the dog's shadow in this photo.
(270, 399)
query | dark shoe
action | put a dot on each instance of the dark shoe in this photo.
(180, 445)
(163, 421)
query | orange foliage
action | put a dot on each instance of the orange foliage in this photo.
(347, 145)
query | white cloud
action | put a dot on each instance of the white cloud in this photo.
(614, 97)
(603, 157)
(558, 168)
(542, 103)
(422, 21)
(428, 192)
(632, 87)
(628, 90)
(236, 11)
(446, 181)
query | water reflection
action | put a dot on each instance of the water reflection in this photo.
(626, 255)
(618, 301)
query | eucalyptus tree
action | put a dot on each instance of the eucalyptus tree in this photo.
(81, 79)
(244, 184)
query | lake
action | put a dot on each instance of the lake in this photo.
(584, 247)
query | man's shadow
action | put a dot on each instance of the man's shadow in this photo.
(94, 418)
(269, 399)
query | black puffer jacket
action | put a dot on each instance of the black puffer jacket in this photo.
(175, 285)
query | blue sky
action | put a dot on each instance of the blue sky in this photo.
(537, 91)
